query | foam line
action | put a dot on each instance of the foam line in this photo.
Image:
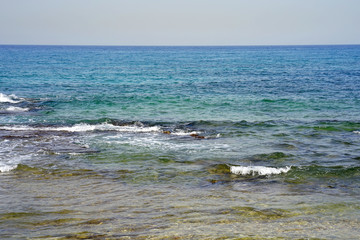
(257, 170)
(82, 127)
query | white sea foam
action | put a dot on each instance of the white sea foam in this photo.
(162, 142)
(10, 157)
(184, 133)
(17, 109)
(257, 170)
(9, 98)
(358, 132)
(7, 168)
(83, 127)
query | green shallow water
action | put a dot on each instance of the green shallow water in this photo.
(117, 205)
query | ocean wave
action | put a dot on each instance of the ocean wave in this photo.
(83, 127)
(185, 133)
(7, 168)
(9, 98)
(134, 127)
(16, 109)
(358, 132)
(258, 170)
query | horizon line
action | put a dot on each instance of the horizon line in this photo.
(195, 45)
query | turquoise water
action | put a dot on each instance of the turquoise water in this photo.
(179, 142)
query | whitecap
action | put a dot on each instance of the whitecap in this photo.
(358, 132)
(9, 98)
(258, 170)
(17, 128)
(7, 168)
(184, 133)
(83, 127)
(16, 109)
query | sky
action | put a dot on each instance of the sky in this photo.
(179, 22)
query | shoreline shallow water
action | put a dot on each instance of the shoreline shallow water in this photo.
(172, 142)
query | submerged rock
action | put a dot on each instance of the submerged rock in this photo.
(197, 136)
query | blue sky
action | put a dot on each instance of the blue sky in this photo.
(180, 22)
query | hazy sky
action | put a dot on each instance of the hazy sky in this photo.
(179, 22)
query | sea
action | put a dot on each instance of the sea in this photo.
(132, 142)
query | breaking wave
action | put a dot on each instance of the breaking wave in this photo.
(107, 126)
(9, 98)
(83, 127)
(16, 109)
(185, 133)
(258, 170)
(7, 168)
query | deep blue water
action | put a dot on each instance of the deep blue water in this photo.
(176, 120)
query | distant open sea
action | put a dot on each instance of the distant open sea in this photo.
(180, 142)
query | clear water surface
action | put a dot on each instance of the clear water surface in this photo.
(179, 142)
